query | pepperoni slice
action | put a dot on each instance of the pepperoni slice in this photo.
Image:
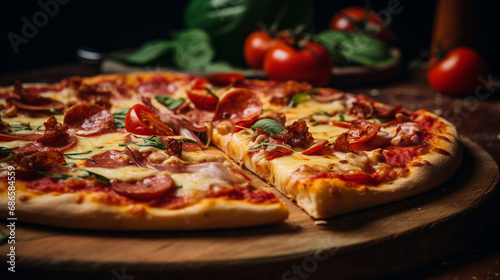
(15, 137)
(88, 119)
(151, 187)
(362, 131)
(110, 159)
(30, 101)
(63, 142)
(325, 95)
(237, 105)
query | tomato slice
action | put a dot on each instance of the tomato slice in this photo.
(316, 147)
(143, 121)
(200, 97)
(224, 79)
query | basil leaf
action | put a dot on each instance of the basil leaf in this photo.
(148, 52)
(268, 125)
(341, 118)
(169, 102)
(119, 117)
(355, 49)
(192, 50)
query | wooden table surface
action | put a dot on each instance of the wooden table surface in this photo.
(477, 117)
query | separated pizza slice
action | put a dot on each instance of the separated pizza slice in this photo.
(332, 152)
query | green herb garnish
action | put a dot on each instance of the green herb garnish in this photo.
(4, 151)
(72, 155)
(169, 102)
(55, 112)
(341, 118)
(119, 117)
(210, 92)
(152, 141)
(21, 126)
(269, 144)
(268, 125)
(11, 158)
(85, 173)
(301, 97)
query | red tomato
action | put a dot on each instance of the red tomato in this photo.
(143, 121)
(224, 79)
(200, 97)
(458, 72)
(352, 19)
(312, 63)
(257, 44)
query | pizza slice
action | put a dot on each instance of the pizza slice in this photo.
(75, 164)
(333, 152)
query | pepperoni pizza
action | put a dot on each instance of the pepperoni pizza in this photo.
(156, 151)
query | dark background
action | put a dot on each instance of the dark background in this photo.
(112, 25)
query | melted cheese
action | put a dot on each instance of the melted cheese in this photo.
(33, 122)
(303, 110)
(13, 144)
(323, 131)
(100, 143)
(127, 173)
(67, 96)
(187, 182)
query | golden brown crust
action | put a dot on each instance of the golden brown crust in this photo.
(326, 197)
(71, 211)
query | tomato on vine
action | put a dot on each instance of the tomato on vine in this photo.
(354, 19)
(300, 60)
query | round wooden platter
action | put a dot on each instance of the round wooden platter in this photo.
(370, 243)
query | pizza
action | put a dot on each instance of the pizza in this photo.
(171, 151)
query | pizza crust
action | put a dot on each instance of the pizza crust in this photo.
(210, 213)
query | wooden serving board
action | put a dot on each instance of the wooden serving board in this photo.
(370, 243)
